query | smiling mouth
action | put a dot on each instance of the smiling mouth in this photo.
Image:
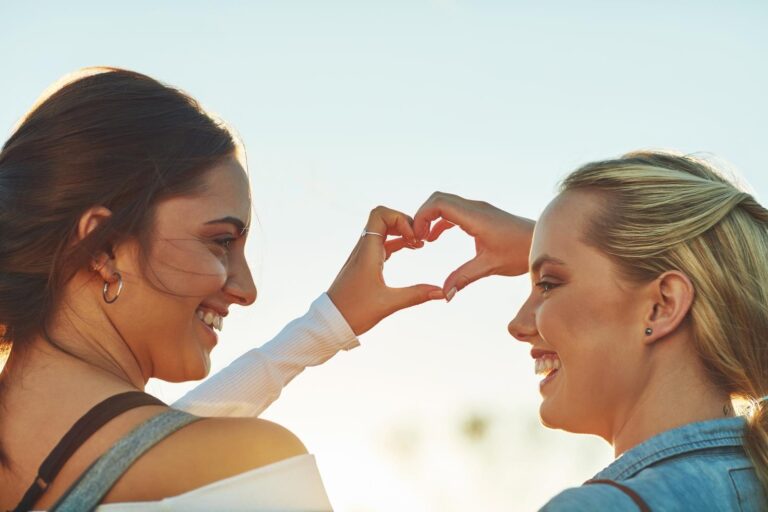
(547, 364)
(211, 319)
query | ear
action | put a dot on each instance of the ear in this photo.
(102, 262)
(672, 296)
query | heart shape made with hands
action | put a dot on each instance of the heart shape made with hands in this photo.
(359, 291)
(502, 244)
(432, 261)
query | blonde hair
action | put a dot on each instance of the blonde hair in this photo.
(664, 211)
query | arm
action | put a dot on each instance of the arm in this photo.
(254, 380)
(356, 301)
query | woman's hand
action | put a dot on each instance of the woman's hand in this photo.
(502, 240)
(359, 291)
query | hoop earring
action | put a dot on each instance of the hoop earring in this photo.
(106, 289)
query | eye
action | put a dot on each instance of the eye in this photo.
(226, 243)
(546, 286)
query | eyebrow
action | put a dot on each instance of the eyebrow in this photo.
(545, 258)
(239, 224)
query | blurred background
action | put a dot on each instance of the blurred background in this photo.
(346, 105)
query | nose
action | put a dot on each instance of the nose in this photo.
(240, 286)
(523, 325)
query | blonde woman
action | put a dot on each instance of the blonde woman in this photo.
(647, 318)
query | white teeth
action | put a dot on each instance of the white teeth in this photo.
(546, 364)
(212, 319)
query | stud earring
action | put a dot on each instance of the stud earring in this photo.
(648, 331)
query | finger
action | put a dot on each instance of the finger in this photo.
(438, 229)
(385, 221)
(422, 221)
(439, 205)
(390, 222)
(466, 274)
(392, 246)
(400, 224)
(414, 295)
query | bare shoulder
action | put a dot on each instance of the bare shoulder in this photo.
(203, 452)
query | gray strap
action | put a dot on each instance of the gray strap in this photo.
(98, 479)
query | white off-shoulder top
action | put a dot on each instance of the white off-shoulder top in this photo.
(290, 485)
(244, 389)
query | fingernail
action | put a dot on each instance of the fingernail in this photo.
(437, 294)
(450, 294)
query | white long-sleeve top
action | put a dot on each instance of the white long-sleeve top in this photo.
(254, 380)
(245, 388)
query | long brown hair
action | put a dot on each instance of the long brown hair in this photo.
(108, 137)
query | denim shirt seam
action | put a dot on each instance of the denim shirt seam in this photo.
(678, 449)
(735, 487)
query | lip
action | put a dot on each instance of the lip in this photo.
(538, 352)
(546, 380)
(212, 335)
(219, 310)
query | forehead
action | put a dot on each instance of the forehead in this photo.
(227, 180)
(559, 232)
(225, 193)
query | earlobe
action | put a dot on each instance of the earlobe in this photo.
(102, 266)
(672, 294)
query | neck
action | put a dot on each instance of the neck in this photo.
(103, 350)
(56, 382)
(81, 334)
(45, 365)
(678, 392)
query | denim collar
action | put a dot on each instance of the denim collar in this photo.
(721, 432)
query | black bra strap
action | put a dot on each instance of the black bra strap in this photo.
(642, 505)
(83, 428)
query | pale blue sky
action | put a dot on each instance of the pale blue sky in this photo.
(346, 105)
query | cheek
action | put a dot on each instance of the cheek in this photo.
(187, 268)
(586, 329)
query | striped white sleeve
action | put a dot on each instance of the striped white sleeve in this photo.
(254, 380)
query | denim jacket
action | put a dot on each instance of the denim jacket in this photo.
(700, 466)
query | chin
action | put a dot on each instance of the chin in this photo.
(548, 419)
(206, 369)
(554, 417)
(198, 371)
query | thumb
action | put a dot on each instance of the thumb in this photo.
(468, 273)
(414, 295)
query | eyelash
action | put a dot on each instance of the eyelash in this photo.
(226, 243)
(546, 286)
